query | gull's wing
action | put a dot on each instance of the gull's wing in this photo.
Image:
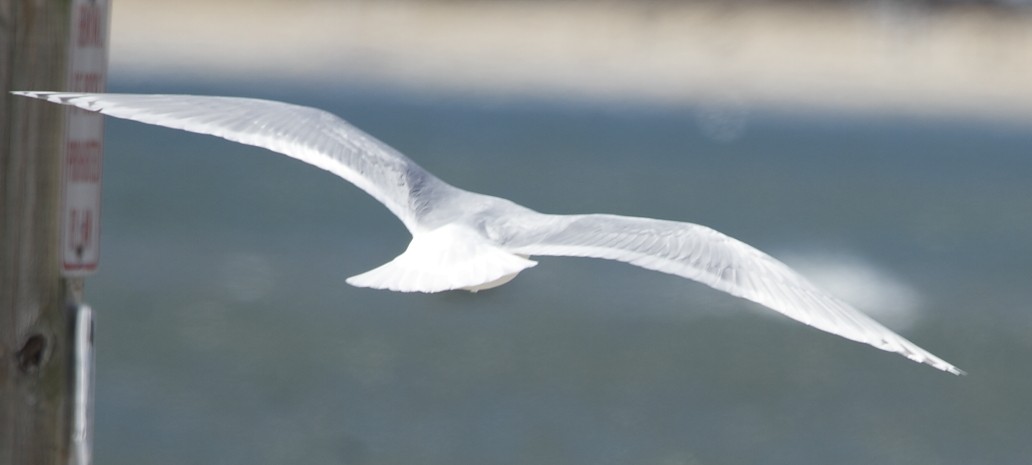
(702, 254)
(307, 134)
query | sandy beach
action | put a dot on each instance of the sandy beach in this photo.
(881, 56)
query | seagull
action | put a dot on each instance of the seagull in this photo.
(463, 240)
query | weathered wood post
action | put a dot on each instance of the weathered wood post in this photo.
(49, 224)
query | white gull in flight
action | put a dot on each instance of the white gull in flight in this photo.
(465, 240)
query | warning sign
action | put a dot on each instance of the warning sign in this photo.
(84, 140)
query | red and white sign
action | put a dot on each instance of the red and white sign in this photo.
(84, 140)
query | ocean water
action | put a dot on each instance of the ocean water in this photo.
(226, 333)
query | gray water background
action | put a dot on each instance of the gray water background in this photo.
(226, 333)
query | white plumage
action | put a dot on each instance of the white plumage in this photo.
(465, 240)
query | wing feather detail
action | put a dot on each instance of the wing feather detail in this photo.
(307, 134)
(702, 254)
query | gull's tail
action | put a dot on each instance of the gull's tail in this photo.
(447, 258)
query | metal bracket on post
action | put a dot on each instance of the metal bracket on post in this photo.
(81, 452)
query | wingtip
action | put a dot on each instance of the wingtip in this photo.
(927, 358)
(941, 365)
(26, 93)
(42, 95)
(86, 101)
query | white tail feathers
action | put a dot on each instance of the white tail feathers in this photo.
(447, 258)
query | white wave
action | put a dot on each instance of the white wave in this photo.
(878, 292)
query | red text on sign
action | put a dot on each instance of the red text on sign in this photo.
(87, 82)
(90, 34)
(84, 161)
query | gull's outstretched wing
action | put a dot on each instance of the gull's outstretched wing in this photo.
(702, 254)
(307, 134)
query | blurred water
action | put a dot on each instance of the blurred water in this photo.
(227, 335)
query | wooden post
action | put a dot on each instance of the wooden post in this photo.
(45, 364)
